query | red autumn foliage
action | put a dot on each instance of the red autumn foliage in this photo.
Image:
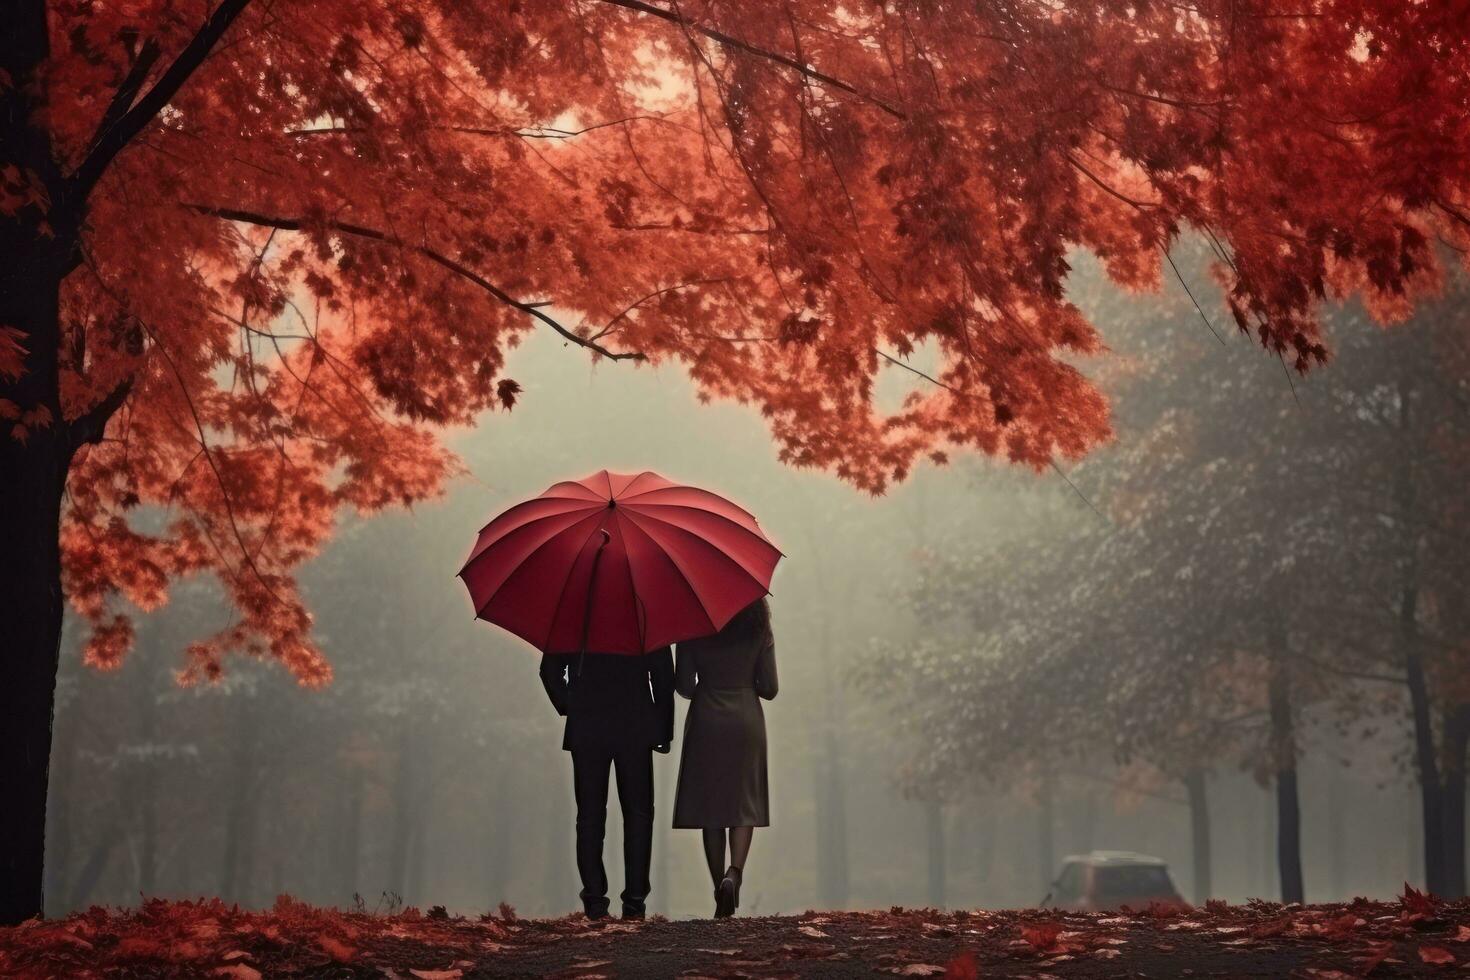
(291, 243)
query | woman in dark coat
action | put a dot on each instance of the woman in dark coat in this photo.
(722, 771)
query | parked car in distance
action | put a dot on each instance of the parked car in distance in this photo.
(1104, 880)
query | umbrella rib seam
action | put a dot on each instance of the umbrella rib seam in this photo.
(632, 517)
(717, 550)
(562, 594)
(477, 555)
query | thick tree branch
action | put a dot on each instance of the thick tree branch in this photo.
(438, 258)
(88, 427)
(130, 123)
(731, 41)
(127, 92)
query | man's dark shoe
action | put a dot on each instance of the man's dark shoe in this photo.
(632, 914)
(595, 913)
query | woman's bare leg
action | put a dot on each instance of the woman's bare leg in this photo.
(714, 853)
(740, 838)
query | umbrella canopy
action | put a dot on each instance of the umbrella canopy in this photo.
(618, 563)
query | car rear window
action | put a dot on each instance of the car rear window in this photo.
(1135, 881)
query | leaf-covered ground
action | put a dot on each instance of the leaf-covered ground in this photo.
(1415, 936)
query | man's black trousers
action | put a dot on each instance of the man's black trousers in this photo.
(634, 769)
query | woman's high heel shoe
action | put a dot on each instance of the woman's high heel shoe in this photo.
(731, 886)
(727, 897)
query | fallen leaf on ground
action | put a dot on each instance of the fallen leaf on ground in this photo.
(237, 971)
(437, 974)
(1437, 955)
(917, 970)
(337, 950)
(1042, 935)
(812, 931)
(962, 967)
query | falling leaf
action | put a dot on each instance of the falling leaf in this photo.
(506, 390)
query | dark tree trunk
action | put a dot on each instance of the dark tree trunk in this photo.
(1283, 757)
(1431, 788)
(1199, 834)
(34, 476)
(1457, 736)
(938, 862)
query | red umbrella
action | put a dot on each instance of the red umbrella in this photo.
(618, 564)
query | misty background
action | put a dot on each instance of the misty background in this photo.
(430, 772)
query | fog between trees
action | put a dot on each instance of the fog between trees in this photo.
(430, 769)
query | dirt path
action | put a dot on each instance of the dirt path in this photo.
(1001, 944)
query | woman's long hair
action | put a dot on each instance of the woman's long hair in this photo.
(752, 624)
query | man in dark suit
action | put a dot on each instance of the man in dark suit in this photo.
(619, 710)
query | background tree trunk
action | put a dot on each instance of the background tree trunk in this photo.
(1452, 802)
(1284, 755)
(938, 862)
(405, 793)
(1199, 834)
(1337, 859)
(59, 843)
(833, 885)
(1426, 758)
(239, 848)
(985, 831)
(1046, 850)
(349, 854)
(147, 796)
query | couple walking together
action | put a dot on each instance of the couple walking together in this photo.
(620, 709)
